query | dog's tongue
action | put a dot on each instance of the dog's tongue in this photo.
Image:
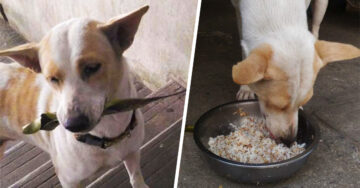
(277, 140)
(272, 136)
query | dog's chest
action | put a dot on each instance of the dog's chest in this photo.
(79, 159)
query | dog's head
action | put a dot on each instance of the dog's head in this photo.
(283, 75)
(81, 60)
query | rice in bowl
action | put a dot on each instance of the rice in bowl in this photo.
(250, 142)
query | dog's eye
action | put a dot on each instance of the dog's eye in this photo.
(91, 69)
(54, 80)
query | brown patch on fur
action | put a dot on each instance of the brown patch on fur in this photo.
(26, 96)
(273, 90)
(279, 101)
(317, 65)
(49, 103)
(92, 47)
(253, 68)
(89, 59)
(10, 98)
(274, 94)
(115, 80)
(49, 68)
(19, 99)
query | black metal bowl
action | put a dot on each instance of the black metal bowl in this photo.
(216, 122)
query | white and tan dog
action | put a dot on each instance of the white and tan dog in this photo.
(283, 58)
(75, 69)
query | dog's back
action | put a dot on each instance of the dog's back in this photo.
(20, 90)
(265, 18)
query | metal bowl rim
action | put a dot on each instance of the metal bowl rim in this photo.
(304, 154)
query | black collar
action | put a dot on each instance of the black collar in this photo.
(107, 142)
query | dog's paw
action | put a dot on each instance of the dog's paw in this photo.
(245, 93)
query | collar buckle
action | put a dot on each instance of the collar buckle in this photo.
(106, 144)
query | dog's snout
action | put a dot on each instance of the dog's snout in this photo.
(290, 137)
(77, 124)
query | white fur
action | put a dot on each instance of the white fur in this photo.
(44, 95)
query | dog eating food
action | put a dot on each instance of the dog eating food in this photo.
(250, 142)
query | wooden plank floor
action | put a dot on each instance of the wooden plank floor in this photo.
(27, 166)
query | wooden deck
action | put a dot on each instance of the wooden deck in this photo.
(27, 166)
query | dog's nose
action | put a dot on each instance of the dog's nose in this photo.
(287, 141)
(77, 124)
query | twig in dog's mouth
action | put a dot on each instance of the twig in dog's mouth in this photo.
(49, 121)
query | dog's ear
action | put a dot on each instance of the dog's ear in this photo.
(334, 51)
(253, 68)
(26, 55)
(121, 30)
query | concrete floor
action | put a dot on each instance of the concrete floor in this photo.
(335, 105)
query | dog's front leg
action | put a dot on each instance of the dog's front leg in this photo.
(67, 184)
(236, 4)
(132, 164)
(319, 10)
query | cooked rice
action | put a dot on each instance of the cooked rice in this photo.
(250, 142)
